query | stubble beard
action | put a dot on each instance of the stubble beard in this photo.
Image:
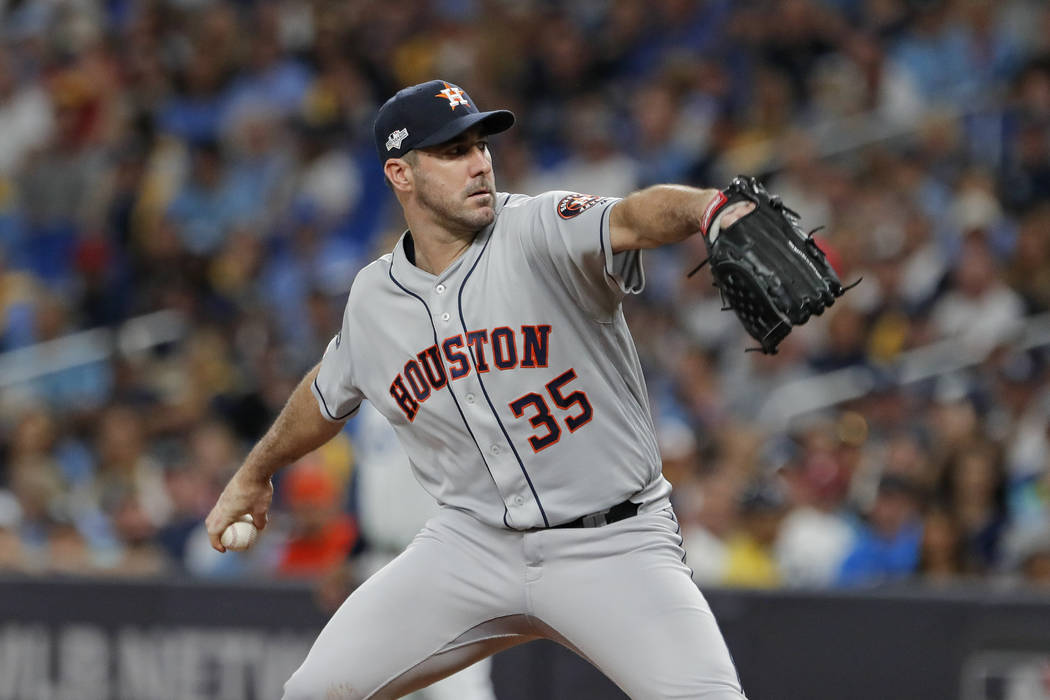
(455, 212)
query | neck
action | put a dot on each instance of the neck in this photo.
(436, 247)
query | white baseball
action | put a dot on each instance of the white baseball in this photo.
(240, 535)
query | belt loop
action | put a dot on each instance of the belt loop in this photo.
(619, 512)
(596, 519)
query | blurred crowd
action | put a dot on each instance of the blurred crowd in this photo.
(215, 160)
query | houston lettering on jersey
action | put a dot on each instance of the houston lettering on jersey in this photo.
(433, 367)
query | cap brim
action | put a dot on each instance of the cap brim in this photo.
(492, 123)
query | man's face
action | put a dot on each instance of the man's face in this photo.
(455, 184)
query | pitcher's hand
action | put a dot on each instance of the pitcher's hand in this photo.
(244, 494)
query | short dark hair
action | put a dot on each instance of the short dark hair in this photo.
(412, 160)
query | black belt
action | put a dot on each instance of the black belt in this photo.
(620, 511)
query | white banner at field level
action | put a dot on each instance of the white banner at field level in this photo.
(89, 662)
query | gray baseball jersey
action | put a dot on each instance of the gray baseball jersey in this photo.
(514, 386)
(511, 378)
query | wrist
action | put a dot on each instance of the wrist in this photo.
(712, 203)
(255, 471)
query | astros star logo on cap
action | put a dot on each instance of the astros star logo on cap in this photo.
(454, 95)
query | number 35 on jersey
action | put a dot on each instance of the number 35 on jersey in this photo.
(501, 349)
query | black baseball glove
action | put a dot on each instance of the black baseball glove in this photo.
(768, 271)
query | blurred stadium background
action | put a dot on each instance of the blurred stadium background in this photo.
(187, 188)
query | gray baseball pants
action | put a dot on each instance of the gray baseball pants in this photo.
(620, 596)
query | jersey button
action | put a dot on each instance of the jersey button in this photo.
(445, 316)
(519, 500)
(469, 398)
(495, 449)
(440, 289)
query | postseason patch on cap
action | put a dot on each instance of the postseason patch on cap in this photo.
(576, 204)
(396, 138)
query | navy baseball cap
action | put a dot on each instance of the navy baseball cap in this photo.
(428, 114)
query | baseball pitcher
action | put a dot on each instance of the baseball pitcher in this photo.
(492, 339)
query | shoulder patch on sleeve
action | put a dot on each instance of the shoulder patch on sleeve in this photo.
(575, 204)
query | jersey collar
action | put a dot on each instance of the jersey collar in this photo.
(404, 270)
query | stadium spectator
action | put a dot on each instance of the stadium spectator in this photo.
(972, 488)
(126, 471)
(750, 560)
(319, 535)
(817, 533)
(942, 558)
(708, 511)
(139, 552)
(887, 545)
(26, 117)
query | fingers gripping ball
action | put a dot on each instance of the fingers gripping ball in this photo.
(240, 535)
